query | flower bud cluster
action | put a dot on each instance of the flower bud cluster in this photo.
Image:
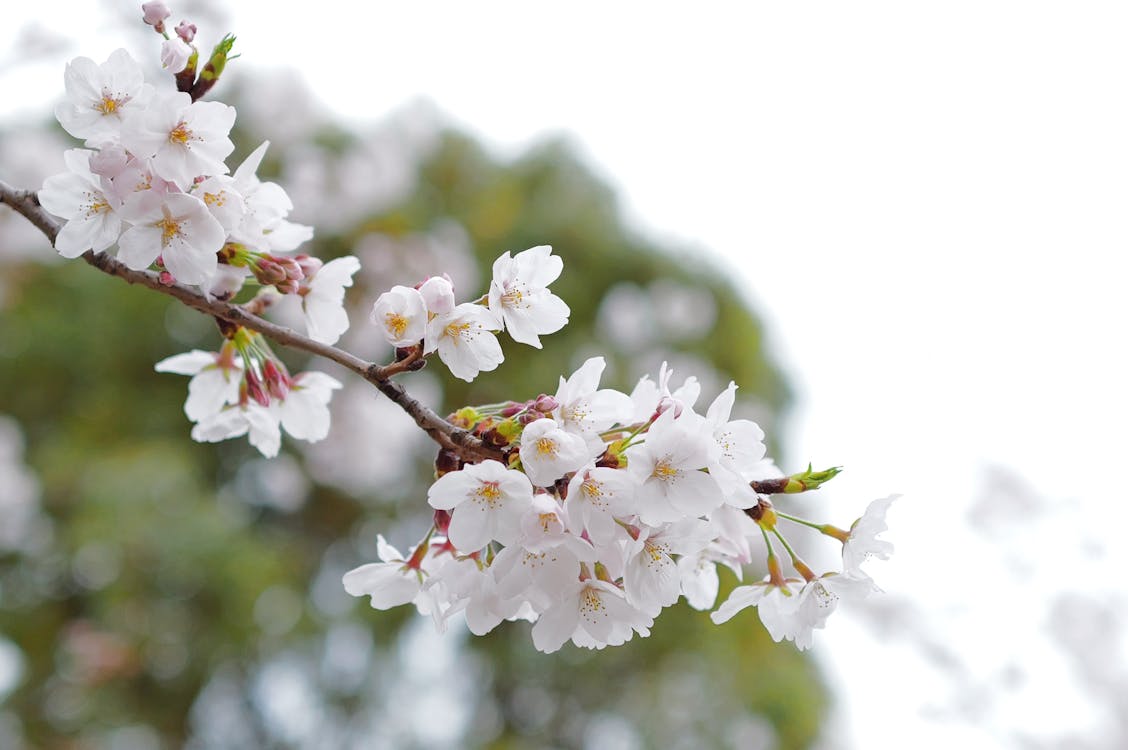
(244, 389)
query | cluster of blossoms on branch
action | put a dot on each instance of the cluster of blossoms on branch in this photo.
(604, 509)
(587, 511)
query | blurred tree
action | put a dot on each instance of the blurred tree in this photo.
(185, 593)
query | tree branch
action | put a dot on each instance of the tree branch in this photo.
(452, 438)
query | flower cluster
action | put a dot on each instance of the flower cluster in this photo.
(244, 389)
(153, 182)
(463, 334)
(586, 512)
(602, 509)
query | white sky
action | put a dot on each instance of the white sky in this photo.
(926, 201)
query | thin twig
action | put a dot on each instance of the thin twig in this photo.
(452, 438)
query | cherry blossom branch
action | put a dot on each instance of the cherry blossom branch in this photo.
(458, 440)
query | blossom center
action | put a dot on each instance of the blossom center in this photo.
(546, 446)
(109, 104)
(664, 471)
(489, 493)
(591, 605)
(396, 324)
(180, 134)
(170, 229)
(457, 330)
(215, 199)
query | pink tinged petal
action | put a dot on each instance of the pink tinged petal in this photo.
(76, 237)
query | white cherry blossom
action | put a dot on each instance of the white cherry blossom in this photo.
(592, 614)
(863, 543)
(101, 98)
(323, 299)
(548, 452)
(83, 200)
(597, 495)
(740, 448)
(669, 468)
(585, 409)
(185, 139)
(401, 315)
(519, 296)
(180, 229)
(215, 380)
(486, 501)
(465, 341)
(389, 583)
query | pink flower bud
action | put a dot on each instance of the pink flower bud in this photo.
(442, 521)
(667, 403)
(254, 388)
(155, 13)
(186, 31)
(289, 286)
(109, 161)
(310, 266)
(512, 410)
(268, 272)
(546, 404)
(277, 383)
(175, 54)
(166, 278)
(293, 269)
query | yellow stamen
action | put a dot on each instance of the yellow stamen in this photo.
(396, 324)
(180, 134)
(170, 228)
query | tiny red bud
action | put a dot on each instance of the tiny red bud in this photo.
(166, 278)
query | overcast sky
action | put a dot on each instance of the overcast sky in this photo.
(927, 204)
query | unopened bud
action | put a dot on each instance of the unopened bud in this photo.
(289, 286)
(214, 68)
(268, 272)
(166, 278)
(309, 265)
(154, 13)
(175, 54)
(186, 31)
(546, 404)
(255, 389)
(109, 161)
(277, 384)
(810, 480)
(293, 269)
(668, 402)
(446, 462)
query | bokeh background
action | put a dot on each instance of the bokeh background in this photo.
(900, 229)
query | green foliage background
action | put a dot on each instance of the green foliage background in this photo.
(173, 611)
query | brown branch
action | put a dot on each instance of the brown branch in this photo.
(452, 438)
